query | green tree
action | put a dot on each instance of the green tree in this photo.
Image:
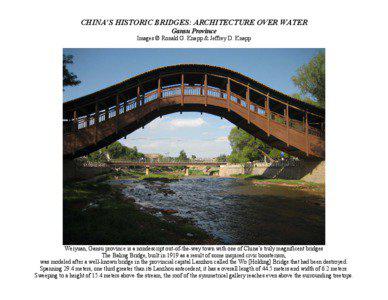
(116, 151)
(304, 99)
(247, 148)
(183, 156)
(69, 78)
(221, 158)
(310, 79)
(98, 156)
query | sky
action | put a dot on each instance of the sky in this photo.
(201, 135)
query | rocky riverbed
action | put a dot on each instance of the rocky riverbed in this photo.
(233, 210)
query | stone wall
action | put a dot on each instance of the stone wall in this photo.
(310, 171)
(75, 170)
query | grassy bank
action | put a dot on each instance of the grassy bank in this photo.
(97, 213)
(156, 174)
(133, 174)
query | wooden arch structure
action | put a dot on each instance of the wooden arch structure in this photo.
(96, 120)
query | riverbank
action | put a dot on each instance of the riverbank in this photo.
(95, 212)
(259, 180)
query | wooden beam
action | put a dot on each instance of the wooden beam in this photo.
(307, 134)
(286, 115)
(159, 92)
(96, 121)
(159, 88)
(117, 112)
(96, 114)
(228, 93)
(75, 120)
(206, 90)
(248, 102)
(106, 113)
(138, 96)
(268, 112)
(182, 88)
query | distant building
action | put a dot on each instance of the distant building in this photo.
(153, 156)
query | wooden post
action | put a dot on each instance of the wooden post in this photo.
(138, 97)
(96, 114)
(159, 91)
(106, 113)
(248, 101)
(182, 88)
(75, 120)
(307, 134)
(125, 106)
(228, 93)
(117, 112)
(159, 88)
(87, 120)
(205, 84)
(147, 170)
(96, 121)
(268, 113)
(286, 114)
(75, 124)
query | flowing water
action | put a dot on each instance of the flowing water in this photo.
(238, 211)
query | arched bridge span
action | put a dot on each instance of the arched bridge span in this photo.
(96, 120)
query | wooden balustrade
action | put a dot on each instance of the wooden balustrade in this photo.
(122, 106)
(182, 90)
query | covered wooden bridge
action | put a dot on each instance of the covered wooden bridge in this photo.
(97, 120)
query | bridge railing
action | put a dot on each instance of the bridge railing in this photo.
(297, 125)
(278, 118)
(193, 90)
(163, 163)
(212, 92)
(171, 92)
(87, 121)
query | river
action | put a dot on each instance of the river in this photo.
(238, 211)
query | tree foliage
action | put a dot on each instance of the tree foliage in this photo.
(247, 148)
(221, 158)
(69, 78)
(116, 151)
(305, 99)
(182, 156)
(310, 79)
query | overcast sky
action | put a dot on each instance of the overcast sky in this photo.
(202, 135)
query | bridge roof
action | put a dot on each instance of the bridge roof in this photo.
(197, 71)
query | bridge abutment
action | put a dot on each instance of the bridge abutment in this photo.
(309, 171)
(74, 169)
